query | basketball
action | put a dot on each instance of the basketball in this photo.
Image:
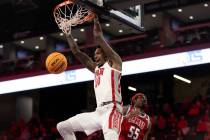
(56, 63)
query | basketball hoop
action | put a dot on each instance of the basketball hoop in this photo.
(68, 14)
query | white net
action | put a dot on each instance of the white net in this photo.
(68, 14)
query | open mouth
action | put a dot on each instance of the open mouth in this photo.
(96, 60)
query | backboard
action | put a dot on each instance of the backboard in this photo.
(106, 9)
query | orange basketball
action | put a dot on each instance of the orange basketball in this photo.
(56, 63)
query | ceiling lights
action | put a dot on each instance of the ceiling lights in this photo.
(41, 38)
(205, 5)
(82, 30)
(154, 15)
(191, 17)
(37, 47)
(61, 34)
(131, 88)
(179, 10)
(107, 24)
(182, 78)
(120, 31)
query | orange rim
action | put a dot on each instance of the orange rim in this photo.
(90, 16)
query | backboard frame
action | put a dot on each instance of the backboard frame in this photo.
(107, 12)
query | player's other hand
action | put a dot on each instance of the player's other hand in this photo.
(69, 36)
(97, 31)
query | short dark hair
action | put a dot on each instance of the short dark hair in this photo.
(144, 98)
(99, 47)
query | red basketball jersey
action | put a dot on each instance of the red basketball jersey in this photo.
(134, 128)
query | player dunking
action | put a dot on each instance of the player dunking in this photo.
(136, 124)
(107, 69)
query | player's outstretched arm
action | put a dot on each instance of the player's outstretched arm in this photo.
(81, 56)
(109, 52)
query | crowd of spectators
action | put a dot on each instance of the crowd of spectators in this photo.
(188, 120)
(35, 129)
